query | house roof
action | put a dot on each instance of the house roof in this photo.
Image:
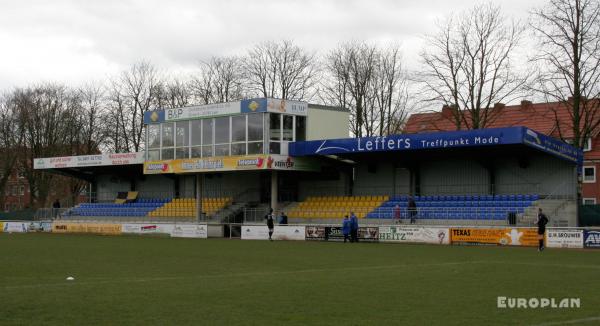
(538, 116)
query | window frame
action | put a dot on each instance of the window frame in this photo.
(593, 167)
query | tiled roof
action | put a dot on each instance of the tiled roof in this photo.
(539, 117)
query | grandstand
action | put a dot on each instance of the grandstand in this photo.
(295, 158)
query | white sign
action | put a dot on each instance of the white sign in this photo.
(88, 160)
(17, 227)
(287, 106)
(414, 234)
(201, 111)
(280, 232)
(147, 228)
(556, 238)
(190, 231)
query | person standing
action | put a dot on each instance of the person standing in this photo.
(541, 224)
(283, 219)
(412, 209)
(346, 228)
(353, 227)
(56, 208)
(397, 214)
(270, 223)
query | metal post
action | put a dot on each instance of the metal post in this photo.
(199, 184)
(274, 190)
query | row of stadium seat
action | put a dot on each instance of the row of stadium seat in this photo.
(505, 197)
(186, 207)
(336, 206)
(393, 203)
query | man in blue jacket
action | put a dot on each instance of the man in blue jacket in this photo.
(353, 227)
(346, 228)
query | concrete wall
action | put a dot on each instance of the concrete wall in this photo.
(542, 175)
(339, 187)
(155, 186)
(378, 181)
(108, 186)
(323, 124)
(453, 177)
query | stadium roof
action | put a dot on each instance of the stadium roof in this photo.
(449, 140)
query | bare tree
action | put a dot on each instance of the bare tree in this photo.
(280, 70)
(467, 65)
(11, 138)
(174, 93)
(134, 93)
(220, 80)
(369, 82)
(569, 57)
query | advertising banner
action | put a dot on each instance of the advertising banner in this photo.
(147, 228)
(274, 105)
(88, 160)
(414, 234)
(231, 163)
(499, 236)
(556, 238)
(17, 227)
(334, 233)
(591, 239)
(97, 228)
(39, 227)
(1, 227)
(315, 233)
(190, 231)
(280, 232)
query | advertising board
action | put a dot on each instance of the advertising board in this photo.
(557, 238)
(280, 232)
(414, 234)
(499, 236)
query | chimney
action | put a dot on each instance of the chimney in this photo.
(499, 106)
(526, 105)
(446, 111)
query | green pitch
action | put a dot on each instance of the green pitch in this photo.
(164, 281)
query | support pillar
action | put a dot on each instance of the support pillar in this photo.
(274, 193)
(198, 189)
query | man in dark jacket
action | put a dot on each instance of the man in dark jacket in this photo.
(56, 209)
(346, 228)
(412, 209)
(353, 227)
(541, 224)
(270, 223)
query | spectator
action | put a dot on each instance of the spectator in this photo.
(541, 223)
(346, 228)
(270, 224)
(412, 209)
(353, 227)
(56, 209)
(397, 214)
(283, 219)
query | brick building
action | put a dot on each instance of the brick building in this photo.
(541, 117)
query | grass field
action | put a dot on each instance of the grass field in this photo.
(165, 281)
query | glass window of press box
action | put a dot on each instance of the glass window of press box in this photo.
(245, 134)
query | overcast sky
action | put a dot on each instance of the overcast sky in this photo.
(73, 41)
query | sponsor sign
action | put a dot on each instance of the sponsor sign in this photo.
(274, 105)
(591, 239)
(437, 140)
(157, 116)
(280, 232)
(315, 233)
(499, 236)
(1, 227)
(414, 234)
(18, 227)
(190, 231)
(231, 163)
(202, 111)
(88, 160)
(97, 228)
(557, 238)
(140, 228)
(334, 233)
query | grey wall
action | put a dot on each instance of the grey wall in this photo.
(155, 186)
(453, 177)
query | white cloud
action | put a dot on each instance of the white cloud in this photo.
(72, 41)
